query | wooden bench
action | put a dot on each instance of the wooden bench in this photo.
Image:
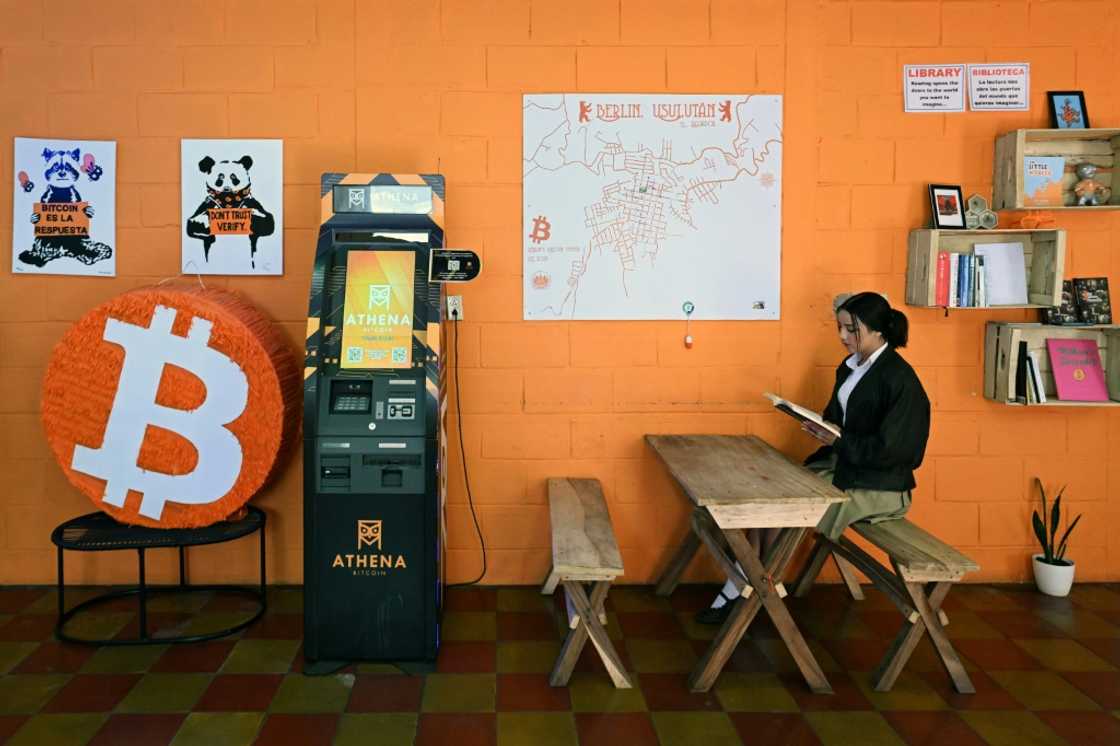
(584, 550)
(923, 569)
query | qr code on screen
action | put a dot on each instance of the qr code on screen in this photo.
(399, 355)
(353, 354)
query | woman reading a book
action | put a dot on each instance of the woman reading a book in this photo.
(882, 412)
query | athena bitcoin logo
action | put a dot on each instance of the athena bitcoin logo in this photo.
(169, 407)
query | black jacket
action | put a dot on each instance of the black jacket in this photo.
(884, 439)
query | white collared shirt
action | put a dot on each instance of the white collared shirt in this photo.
(858, 372)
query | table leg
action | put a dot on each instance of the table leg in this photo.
(61, 586)
(765, 579)
(768, 595)
(705, 528)
(667, 583)
(142, 595)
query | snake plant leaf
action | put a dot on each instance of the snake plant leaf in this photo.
(1055, 519)
(1040, 532)
(1065, 537)
(1045, 512)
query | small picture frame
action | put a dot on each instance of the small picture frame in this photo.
(1067, 110)
(947, 204)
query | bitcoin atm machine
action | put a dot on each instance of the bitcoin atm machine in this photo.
(374, 413)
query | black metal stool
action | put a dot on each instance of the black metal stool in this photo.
(98, 532)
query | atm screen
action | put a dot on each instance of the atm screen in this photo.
(377, 311)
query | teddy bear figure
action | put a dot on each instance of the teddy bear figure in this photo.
(1089, 191)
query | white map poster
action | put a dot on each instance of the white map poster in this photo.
(636, 204)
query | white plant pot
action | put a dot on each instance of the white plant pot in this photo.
(1053, 580)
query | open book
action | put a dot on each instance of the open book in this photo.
(800, 413)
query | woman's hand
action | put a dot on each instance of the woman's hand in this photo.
(825, 436)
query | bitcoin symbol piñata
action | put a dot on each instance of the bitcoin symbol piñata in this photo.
(147, 351)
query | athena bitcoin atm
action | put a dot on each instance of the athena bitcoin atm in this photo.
(374, 418)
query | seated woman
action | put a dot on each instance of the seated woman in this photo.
(883, 414)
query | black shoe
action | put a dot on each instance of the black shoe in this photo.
(713, 615)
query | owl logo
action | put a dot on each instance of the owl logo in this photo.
(379, 295)
(369, 534)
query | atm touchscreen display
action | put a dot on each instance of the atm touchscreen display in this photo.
(377, 311)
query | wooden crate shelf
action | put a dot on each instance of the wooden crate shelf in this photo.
(1044, 254)
(1097, 146)
(1001, 359)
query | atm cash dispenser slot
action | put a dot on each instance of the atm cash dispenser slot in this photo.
(373, 465)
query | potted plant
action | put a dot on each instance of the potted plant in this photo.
(1053, 573)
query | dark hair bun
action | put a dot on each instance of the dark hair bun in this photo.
(878, 316)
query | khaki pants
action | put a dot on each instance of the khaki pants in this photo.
(862, 505)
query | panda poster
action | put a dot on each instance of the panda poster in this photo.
(233, 207)
(64, 207)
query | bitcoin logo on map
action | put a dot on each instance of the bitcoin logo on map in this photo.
(171, 406)
(542, 229)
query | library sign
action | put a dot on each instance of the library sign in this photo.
(171, 406)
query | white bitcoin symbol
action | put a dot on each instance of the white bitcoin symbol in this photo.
(147, 351)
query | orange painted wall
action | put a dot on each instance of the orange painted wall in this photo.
(434, 85)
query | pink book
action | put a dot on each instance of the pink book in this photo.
(1078, 375)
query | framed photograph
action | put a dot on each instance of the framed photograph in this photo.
(947, 204)
(1067, 110)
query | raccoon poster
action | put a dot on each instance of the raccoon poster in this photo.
(64, 207)
(233, 207)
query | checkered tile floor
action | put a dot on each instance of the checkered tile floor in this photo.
(1047, 671)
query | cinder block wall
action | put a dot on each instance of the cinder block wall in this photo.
(434, 85)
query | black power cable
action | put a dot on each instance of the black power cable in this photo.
(463, 453)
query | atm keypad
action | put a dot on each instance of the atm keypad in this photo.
(351, 404)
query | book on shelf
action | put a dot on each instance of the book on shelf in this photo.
(941, 283)
(1042, 180)
(1066, 313)
(800, 413)
(966, 294)
(981, 282)
(1090, 295)
(954, 280)
(1036, 377)
(1005, 273)
(1021, 373)
(1076, 364)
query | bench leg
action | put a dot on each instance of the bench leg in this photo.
(669, 579)
(908, 637)
(589, 611)
(880, 576)
(809, 573)
(848, 574)
(550, 582)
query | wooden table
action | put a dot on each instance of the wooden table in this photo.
(738, 482)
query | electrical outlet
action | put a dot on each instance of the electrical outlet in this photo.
(455, 307)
